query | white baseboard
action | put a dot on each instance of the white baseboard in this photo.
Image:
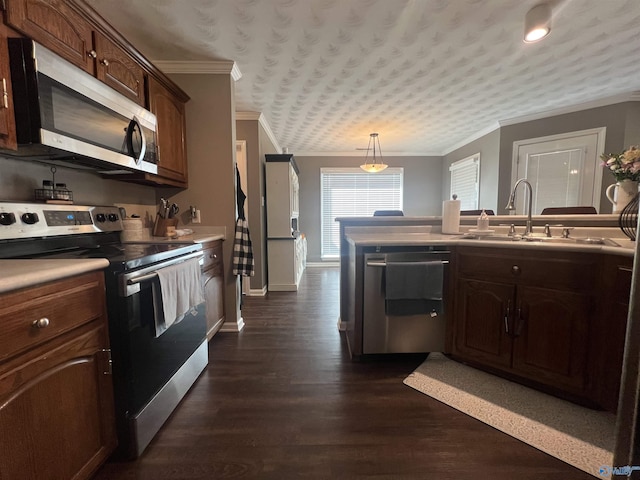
(232, 327)
(283, 287)
(257, 292)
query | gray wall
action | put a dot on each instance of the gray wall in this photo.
(616, 118)
(19, 178)
(489, 148)
(211, 149)
(422, 190)
(258, 145)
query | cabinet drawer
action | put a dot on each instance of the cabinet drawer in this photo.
(66, 304)
(570, 270)
(213, 257)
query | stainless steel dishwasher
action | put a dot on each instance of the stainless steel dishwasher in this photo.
(384, 333)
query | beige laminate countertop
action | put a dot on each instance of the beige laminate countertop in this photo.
(404, 239)
(16, 274)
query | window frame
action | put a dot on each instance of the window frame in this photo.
(326, 253)
(472, 160)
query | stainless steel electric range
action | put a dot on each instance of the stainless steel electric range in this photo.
(151, 372)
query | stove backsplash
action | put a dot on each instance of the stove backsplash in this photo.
(19, 179)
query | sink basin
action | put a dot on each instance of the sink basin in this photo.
(541, 239)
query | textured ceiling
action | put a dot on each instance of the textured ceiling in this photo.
(424, 74)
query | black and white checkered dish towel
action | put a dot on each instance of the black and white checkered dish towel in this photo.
(242, 251)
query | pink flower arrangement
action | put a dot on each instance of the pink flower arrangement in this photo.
(625, 165)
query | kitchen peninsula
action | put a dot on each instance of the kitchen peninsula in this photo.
(549, 313)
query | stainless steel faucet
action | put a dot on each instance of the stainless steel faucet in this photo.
(511, 205)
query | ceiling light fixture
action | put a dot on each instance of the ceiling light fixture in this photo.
(374, 166)
(537, 23)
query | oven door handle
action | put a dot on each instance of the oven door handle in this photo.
(130, 282)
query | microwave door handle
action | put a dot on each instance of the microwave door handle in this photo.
(131, 129)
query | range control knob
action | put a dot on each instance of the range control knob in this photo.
(30, 218)
(113, 217)
(7, 218)
(100, 218)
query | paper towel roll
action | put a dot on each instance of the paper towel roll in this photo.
(451, 216)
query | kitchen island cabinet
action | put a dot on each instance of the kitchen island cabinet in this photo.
(550, 316)
(526, 313)
(56, 394)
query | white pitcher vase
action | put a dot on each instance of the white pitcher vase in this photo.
(621, 193)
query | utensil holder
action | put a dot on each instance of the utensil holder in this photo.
(161, 225)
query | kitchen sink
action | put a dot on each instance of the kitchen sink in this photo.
(543, 239)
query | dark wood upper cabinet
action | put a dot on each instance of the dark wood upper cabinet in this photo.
(61, 28)
(57, 26)
(172, 151)
(7, 119)
(118, 70)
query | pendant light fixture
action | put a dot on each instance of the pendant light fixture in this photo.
(537, 23)
(376, 165)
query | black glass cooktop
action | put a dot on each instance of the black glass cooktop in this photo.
(127, 256)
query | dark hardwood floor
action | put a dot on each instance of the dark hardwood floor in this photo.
(281, 400)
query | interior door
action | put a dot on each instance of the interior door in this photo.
(564, 170)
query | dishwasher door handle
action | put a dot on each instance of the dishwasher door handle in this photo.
(384, 264)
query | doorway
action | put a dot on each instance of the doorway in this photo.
(241, 161)
(564, 170)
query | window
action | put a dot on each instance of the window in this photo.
(350, 192)
(465, 176)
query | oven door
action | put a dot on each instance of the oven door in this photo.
(151, 373)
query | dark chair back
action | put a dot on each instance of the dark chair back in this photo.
(388, 213)
(586, 210)
(476, 212)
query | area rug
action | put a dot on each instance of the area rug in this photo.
(576, 435)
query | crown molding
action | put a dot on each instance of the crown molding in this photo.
(219, 67)
(479, 134)
(258, 116)
(248, 116)
(362, 155)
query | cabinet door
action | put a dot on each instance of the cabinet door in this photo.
(118, 70)
(7, 121)
(481, 332)
(56, 409)
(551, 337)
(214, 300)
(170, 112)
(57, 26)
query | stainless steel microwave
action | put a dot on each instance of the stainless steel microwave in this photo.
(66, 116)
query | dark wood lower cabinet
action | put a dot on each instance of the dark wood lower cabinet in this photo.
(56, 393)
(481, 331)
(550, 337)
(213, 285)
(531, 315)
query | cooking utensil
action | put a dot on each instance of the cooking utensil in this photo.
(173, 210)
(164, 207)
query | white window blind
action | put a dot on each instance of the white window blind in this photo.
(465, 175)
(350, 192)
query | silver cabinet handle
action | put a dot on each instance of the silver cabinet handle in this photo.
(105, 62)
(41, 323)
(515, 270)
(92, 54)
